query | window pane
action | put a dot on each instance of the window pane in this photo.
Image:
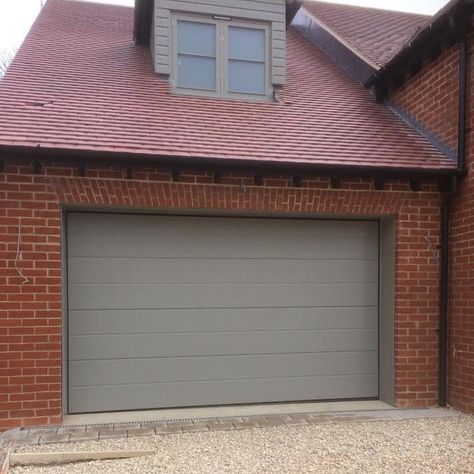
(246, 77)
(246, 43)
(196, 72)
(196, 38)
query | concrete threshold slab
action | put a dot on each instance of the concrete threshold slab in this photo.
(224, 411)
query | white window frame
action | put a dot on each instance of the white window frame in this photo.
(222, 58)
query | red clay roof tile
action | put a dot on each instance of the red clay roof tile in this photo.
(374, 34)
(79, 82)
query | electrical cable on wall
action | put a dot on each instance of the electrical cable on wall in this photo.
(24, 279)
(433, 250)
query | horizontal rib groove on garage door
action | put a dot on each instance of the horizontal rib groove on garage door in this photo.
(171, 311)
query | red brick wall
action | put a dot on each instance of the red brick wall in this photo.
(461, 337)
(30, 313)
(431, 97)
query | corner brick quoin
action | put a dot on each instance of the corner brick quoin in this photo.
(31, 313)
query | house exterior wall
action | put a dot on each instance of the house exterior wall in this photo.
(461, 337)
(270, 11)
(31, 307)
(431, 97)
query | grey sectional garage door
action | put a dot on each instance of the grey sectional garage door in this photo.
(171, 311)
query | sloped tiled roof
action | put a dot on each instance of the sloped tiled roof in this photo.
(437, 30)
(374, 34)
(80, 83)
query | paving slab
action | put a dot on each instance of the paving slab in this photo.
(112, 434)
(179, 423)
(100, 428)
(71, 433)
(194, 428)
(161, 424)
(42, 430)
(168, 430)
(220, 426)
(71, 429)
(127, 426)
(141, 432)
(84, 436)
(54, 438)
(29, 440)
(272, 421)
(297, 422)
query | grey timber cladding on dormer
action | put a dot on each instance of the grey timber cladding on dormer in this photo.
(270, 11)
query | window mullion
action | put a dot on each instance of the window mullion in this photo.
(222, 50)
(174, 62)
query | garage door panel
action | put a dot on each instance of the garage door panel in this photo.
(199, 237)
(182, 369)
(185, 311)
(218, 320)
(338, 248)
(101, 398)
(247, 295)
(95, 270)
(230, 228)
(199, 344)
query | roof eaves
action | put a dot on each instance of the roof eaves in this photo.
(80, 156)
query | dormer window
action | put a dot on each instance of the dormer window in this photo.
(247, 59)
(221, 58)
(196, 51)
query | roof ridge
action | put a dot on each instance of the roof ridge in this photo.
(377, 9)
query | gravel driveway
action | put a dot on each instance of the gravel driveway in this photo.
(415, 446)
